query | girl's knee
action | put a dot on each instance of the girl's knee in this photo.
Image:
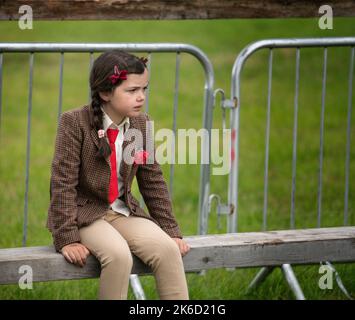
(120, 256)
(170, 249)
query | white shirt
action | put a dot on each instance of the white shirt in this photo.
(118, 205)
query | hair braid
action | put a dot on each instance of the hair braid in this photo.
(104, 148)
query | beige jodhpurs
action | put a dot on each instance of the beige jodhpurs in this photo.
(112, 240)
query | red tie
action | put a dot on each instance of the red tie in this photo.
(113, 190)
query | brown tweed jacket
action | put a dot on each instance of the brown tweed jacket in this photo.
(79, 181)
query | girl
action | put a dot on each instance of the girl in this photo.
(91, 206)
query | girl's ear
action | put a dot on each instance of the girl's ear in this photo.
(105, 96)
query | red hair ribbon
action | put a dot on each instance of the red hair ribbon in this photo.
(144, 60)
(118, 74)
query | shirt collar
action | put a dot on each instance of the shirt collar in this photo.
(108, 123)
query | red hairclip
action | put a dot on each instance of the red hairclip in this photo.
(144, 60)
(118, 74)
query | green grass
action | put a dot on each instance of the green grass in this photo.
(221, 40)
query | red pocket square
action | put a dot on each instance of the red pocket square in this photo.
(141, 157)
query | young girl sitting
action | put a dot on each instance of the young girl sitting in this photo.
(92, 209)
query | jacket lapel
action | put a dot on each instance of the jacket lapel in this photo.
(125, 168)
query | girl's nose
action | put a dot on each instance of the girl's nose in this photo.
(141, 96)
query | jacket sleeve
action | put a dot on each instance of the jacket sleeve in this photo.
(62, 212)
(156, 196)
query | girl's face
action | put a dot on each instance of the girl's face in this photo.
(128, 98)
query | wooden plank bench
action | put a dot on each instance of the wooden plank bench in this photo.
(249, 249)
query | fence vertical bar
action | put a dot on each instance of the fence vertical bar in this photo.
(60, 100)
(146, 108)
(234, 125)
(176, 95)
(321, 142)
(149, 66)
(91, 62)
(294, 146)
(205, 167)
(267, 140)
(348, 135)
(1, 60)
(232, 222)
(28, 148)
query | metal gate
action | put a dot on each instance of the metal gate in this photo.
(90, 48)
(234, 104)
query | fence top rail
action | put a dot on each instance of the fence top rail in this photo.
(95, 47)
(99, 47)
(284, 43)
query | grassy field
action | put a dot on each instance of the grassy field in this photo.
(221, 40)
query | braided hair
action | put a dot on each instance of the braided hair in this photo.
(102, 69)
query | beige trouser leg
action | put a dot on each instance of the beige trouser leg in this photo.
(111, 249)
(148, 242)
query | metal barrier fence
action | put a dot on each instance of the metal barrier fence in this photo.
(236, 92)
(90, 48)
(234, 104)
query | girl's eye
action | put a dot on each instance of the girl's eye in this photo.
(133, 90)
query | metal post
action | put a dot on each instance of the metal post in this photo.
(137, 287)
(292, 281)
(260, 277)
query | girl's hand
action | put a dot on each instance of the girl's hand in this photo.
(75, 253)
(183, 246)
